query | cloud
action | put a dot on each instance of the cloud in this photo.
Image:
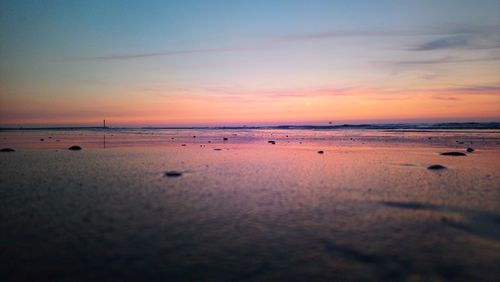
(454, 38)
(444, 60)
(281, 92)
(445, 98)
(479, 42)
(443, 43)
(449, 31)
(170, 53)
(340, 34)
(471, 37)
(482, 89)
(246, 94)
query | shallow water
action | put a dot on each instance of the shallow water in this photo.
(368, 209)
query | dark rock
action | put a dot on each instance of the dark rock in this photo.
(75, 148)
(7, 150)
(321, 152)
(217, 149)
(436, 167)
(453, 154)
(173, 174)
(271, 142)
(470, 150)
(225, 138)
(183, 145)
(41, 139)
(194, 136)
(409, 205)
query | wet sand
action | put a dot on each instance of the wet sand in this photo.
(367, 209)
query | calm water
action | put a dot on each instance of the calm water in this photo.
(368, 209)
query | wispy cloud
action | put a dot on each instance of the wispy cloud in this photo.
(441, 31)
(476, 42)
(484, 89)
(444, 60)
(341, 34)
(445, 98)
(281, 93)
(455, 90)
(277, 95)
(465, 37)
(171, 53)
(443, 43)
(472, 38)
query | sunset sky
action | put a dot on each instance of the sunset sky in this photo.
(248, 62)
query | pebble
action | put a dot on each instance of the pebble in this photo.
(470, 150)
(7, 150)
(453, 154)
(436, 167)
(271, 142)
(321, 152)
(75, 148)
(173, 174)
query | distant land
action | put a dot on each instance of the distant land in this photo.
(389, 126)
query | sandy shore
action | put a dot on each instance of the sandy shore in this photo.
(366, 209)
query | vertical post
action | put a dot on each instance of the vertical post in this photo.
(104, 123)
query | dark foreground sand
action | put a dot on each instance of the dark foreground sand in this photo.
(368, 209)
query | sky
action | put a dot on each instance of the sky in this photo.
(173, 63)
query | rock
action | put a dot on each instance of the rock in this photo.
(470, 150)
(41, 139)
(173, 174)
(184, 145)
(271, 142)
(225, 138)
(217, 149)
(453, 154)
(194, 136)
(7, 150)
(75, 148)
(321, 152)
(436, 167)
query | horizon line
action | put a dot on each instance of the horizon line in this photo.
(401, 125)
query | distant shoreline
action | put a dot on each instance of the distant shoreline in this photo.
(389, 126)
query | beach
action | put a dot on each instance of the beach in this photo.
(187, 205)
